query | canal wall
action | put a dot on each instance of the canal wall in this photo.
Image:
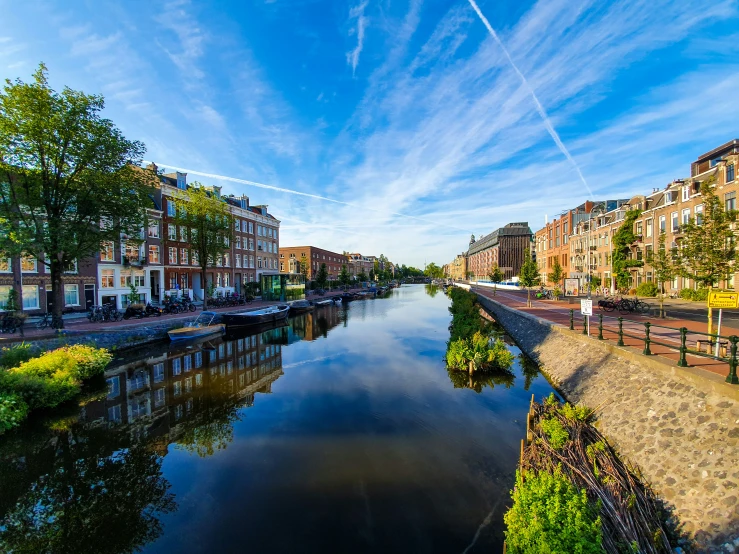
(679, 426)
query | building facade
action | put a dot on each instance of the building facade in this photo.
(292, 258)
(505, 247)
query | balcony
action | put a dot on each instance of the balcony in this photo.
(579, 250)
(638, 238)
(133, 261)
(593, 248)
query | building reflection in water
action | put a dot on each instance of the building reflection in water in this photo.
(313, 325)
(91, 480)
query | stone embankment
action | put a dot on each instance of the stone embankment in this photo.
(679, 426)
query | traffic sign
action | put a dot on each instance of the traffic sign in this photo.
(586, 306)
(717, 299)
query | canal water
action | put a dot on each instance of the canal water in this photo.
(340, 432)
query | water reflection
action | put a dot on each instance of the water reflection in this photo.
(365, 445)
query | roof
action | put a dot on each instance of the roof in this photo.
(732, 145)
(490, 240)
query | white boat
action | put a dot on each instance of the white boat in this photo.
(323, 302)
(206, 324)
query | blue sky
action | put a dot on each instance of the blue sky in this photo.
(409, 112)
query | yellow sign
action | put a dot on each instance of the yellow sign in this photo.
(723, 299)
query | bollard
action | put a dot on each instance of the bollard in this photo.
(646, 351)
(620, 332)
(732, 378)
(600, 326)
(683, 362)
(584, 325)
(572, 320)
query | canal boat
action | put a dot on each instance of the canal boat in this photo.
(255, 317)
(300, 307)
(205, 325)
(347, 297)
(323, 302)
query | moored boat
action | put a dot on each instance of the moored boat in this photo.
(300, 306)
(206, 324)
(323, 302)
(255, 317)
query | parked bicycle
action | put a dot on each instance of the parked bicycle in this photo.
(12, 322)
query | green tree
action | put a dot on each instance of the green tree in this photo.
(322, 277)
(495, 274)
(211, 227)
(68, 184)
(362, 276)
(557, 273)
(664, 269)
(529, 275)
(434, 271)
(375, 270)
(344, 277)
(708, 249)
(622, 241)
(304, 266)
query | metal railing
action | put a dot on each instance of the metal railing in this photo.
(716, 344)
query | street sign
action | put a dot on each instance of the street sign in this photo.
(717, 299)
(586, 307)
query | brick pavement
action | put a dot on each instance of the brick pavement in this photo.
(662, 331)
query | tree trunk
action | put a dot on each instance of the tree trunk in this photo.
(528, 297)
(205, 288)
(57, 285)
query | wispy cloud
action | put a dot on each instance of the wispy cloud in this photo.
(357, 13)
(191, 38)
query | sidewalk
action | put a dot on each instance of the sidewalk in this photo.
(663, 330)
(79, 324)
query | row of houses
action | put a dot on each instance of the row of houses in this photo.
(160, 261)
(308, 260)
(581, 239)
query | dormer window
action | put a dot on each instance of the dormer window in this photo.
(686, 193)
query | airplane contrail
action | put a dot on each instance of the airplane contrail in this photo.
(539, 107)
(305, 194)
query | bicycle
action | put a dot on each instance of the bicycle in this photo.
(45, 321)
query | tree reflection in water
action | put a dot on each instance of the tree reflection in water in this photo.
(431, 290)
(90, 499)
(481, 379)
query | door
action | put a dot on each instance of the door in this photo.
(89, 296)
(49, 299)
(155, 285)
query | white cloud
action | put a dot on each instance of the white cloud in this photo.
(357, 12)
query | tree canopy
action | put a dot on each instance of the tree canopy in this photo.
(322, 277)
(344, 277)
(529, 274)
(68, 181)
(557, 273)
(495, 275)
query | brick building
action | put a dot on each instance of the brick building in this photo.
(292, 256)
(505, 246)
(457, 268)
(359, 263)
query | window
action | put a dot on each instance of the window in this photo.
(172, 232)
(686, 193)
(238, 243)
(251, 244)
(251, 261)
(686, 215)
(114, 414)
(183, 281)
(159, 398)
(71, 268)
(674, 221)
(730, 200)
(238, 260)
(237, 225)
(259, 261)
(5, 265)
(114, 386)
(30, 297)
(172, 255)
(195, 259)
(106, 254)
(183, 234)
(171, 209)
(219, 261)
(4, 291)
(183, 256)
(218, 280)
(243, 226)
(227, 281)
(699, 215)
(227, 260)
(649, 227)
(638, 227)
(107, 277)
(187, 362)
(662, 224)
(153, 254)
(71, 295)
(158, 371)
(138, 280)
(154, 229)
(176, 366)
(729, 173)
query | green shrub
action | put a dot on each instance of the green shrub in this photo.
(647, 289)
(54, 377)
(555, 431)
(477, 353)
(465, 310)
(11, 356)
(700, 295)
(549, 515)
(13, 410)
(576, 413)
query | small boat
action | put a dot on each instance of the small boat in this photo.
(255, 317)
(347, 297)
(300, 307)
(323, 302)
(206, 324)
(337, 299)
